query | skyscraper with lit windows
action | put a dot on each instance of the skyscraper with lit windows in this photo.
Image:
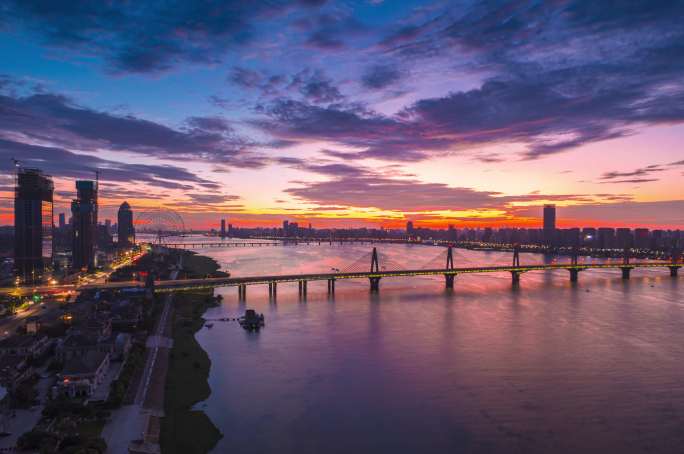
(33, 224)
(84, 215)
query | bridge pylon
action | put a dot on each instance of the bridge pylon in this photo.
(374, 268)
(574, 272)
(449, 278)
(516, 255)
(515, 274)
(626, 270)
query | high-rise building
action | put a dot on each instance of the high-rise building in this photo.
(84, 214)
(606, 238)
(286, 228)
(125, 229)
(623, 236)
(108, 225)
(549, 224)
(33, 224)
(642, 238)
(62, 220)
(409, 228)
(589, 237)
(223, 228)
(452, 233)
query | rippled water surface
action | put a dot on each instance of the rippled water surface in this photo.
(547, 368)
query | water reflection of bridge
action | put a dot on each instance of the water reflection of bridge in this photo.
(382, 266)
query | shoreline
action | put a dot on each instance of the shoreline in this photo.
(183, 428)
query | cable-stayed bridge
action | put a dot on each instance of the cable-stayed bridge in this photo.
(376, 266)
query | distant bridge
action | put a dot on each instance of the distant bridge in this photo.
(376, 273)
(360, 270)
(279, 241)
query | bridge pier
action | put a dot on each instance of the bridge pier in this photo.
(374, 284)
(625, 272)
(242, 292)
(674, 270)
(302, 288)
(272, 288)
(515, 277)
(574, 274)
(449, 280)
(331, 286)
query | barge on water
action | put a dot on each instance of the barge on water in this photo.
(251, 321)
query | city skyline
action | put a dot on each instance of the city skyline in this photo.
(352, 114)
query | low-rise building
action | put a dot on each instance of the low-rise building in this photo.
(122, 345)
(14, 370)
(98, 325)
(81, 375)
(30, 345)
(33, 324)
(126, 315)
(78, 344)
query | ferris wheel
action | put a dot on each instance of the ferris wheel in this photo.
(162, 222)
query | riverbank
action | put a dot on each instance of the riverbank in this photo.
(184, 430)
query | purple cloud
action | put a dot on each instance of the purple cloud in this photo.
(354, 186)
(55, 119)
(63, 163)
(380, 76)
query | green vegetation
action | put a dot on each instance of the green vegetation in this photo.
(184, 430)
(196, 266)
(37, 440)
(24, 396)
(74, 428)
(118, 388)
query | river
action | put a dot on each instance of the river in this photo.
(549, 367)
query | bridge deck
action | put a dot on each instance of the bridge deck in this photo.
(249, 280)
(186, 284)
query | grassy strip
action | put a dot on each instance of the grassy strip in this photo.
(197, 266)
(184, 430)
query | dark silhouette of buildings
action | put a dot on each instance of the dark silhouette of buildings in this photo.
(84, 215)
(104, 241)
(125, 229)
(223, 228)
(550, 224)
(33, 224)
(62, 220)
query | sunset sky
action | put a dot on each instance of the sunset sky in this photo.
(351, 113)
